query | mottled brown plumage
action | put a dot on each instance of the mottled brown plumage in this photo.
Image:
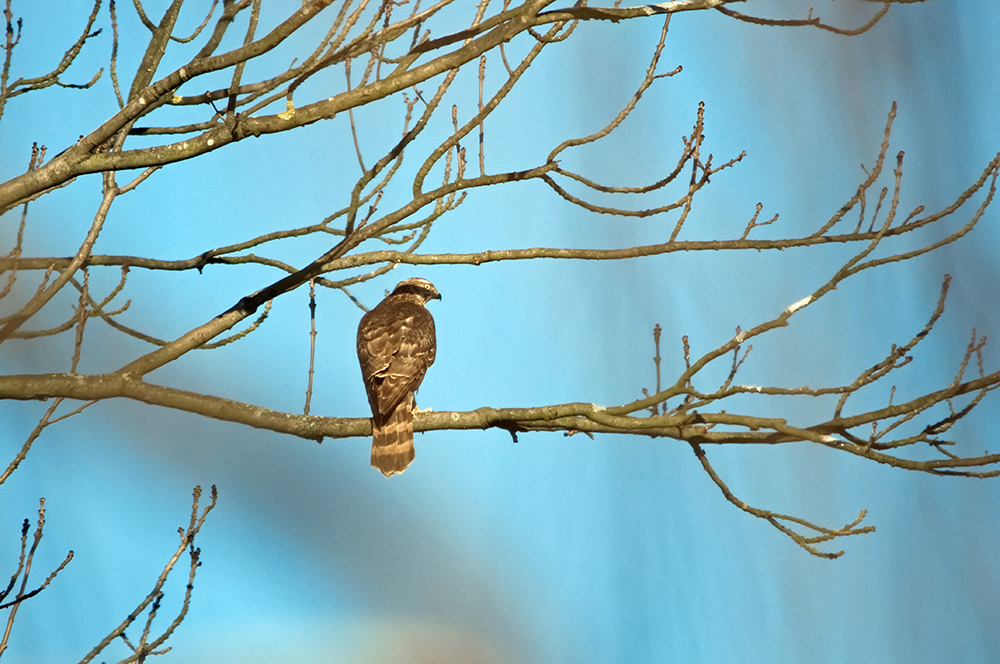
(396, 345)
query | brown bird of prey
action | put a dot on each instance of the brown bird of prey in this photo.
(396, 345)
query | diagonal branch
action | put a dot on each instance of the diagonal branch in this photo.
(786, 523)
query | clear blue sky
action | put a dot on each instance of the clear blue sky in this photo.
(554, 549)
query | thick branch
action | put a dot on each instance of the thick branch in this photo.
(569, 417)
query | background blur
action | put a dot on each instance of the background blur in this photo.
(554, 549)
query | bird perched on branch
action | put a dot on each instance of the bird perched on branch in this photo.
(396, 345)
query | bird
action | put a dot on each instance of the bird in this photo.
(396, 345)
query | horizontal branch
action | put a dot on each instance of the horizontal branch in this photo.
(473, 258)
(576, 13)
(582, 417)
(219, 256)
(110, 386)
(569, 417)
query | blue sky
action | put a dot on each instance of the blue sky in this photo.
(554, 549)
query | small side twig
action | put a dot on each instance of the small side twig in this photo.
(779, 521)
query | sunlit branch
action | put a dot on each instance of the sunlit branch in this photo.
(571, 417)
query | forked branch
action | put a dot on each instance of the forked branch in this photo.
(21, 573)
(148, 644)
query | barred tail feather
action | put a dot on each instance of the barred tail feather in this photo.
(392, 442)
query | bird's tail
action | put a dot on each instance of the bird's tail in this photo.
(392, 442)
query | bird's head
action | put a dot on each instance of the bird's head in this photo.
(417, 286)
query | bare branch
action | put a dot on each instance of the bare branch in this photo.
(814, 21)
(786, 523)
(387, 51)
(42, 297)
(148, 645)
(23, 570)
(24, 85)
